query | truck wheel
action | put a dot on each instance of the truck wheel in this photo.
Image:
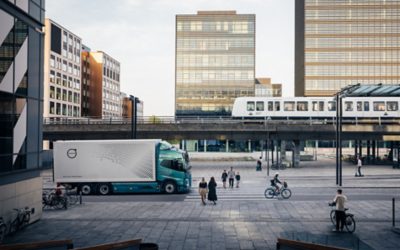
(86, 189)
(104, 189)
(169, 187)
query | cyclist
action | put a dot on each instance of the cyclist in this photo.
(275, 181)
(340, 214)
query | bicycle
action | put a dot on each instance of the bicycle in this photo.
(21, 220)
(350, 223)
(284, 191)
(3, 230)
(72, 196)
(279, 166)
(52, 200)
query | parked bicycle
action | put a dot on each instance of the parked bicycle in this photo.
(72, 196)
(51, 200)
(21, 220)
(350, 223)
(3, 230)
(279, 166)
(283, 191)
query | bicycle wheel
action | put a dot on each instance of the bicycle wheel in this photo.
(286, 193)
(350, 223)
(269, 193)
(3, 231)
(73, 199)
(333, 217)
(26, 218)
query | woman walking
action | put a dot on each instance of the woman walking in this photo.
(203, 190)
(212, 190)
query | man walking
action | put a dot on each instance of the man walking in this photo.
(231, 176)
(340, 215)
(259, 164)
(358, 170)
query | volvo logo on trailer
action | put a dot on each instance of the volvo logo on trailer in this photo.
(72, 153)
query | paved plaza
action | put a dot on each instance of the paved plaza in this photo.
(242, 218)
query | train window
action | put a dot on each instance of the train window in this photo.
(348, 106)
(260, 106)
(270, 106)
(288, 106)
(331, 106)
(317, 106)
(392, 106)
(277, 106)
(321, 106)
(302, 106)
(366, 106)
(250, 106)
(314, 106)
(379, 106)
(359, 106)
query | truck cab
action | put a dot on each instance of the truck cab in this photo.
(173, 167)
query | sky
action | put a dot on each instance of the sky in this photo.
(140, 34)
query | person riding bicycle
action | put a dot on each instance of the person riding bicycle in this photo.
(275, 181)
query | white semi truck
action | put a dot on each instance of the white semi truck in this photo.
(121, 166)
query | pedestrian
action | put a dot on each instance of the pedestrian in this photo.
(259, 164)
(224, 177)
(212, 191)
(203, 190)
(358, 169)
(237, 179)
(340, 215)
(231, 176)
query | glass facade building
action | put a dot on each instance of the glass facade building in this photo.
(21, 106)
(345, 42)
(215, 61)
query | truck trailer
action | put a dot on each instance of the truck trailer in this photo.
(121, 166)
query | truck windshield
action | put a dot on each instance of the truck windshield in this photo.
(165, 145)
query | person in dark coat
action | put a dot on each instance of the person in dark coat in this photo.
(212, 190)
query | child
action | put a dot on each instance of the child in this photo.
(237, 179)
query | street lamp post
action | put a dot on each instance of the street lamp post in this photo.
(134, 101)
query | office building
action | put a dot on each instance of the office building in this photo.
(62, 72)
(21, 106)
(215, 61)
(264, 87)
(127, 106)
(340, 43)
(101, 89)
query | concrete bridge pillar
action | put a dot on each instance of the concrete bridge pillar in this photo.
(360, 148)
(249, 145)
(374, 150)
(226, 145)
(283, 151)
(205, 145)
(296, 154)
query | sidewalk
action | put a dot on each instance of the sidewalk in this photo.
(242, 218)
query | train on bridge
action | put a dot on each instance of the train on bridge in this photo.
(315, 107)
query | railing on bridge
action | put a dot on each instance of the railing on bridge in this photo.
(210, 120)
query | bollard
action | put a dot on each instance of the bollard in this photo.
(80, 197)
(393, 213)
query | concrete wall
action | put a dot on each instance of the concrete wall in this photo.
(21, 194)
